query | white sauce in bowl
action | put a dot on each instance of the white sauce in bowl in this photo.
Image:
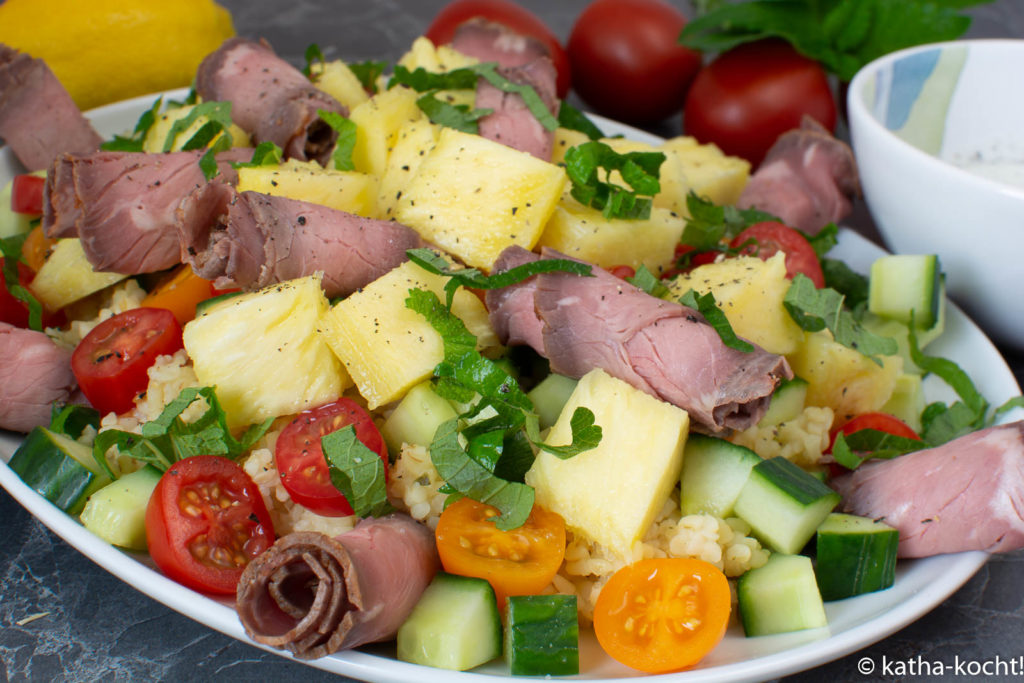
(1001, 171)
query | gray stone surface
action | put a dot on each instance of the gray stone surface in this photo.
(97, 628)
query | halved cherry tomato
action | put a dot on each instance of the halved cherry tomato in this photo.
(14, 311)
(112, 361)
(36, 248)
(770, 237)
(662, 614)
(27, 194)
(699, 259)
(300, 457)
(179, 293)
(622, 272)
(511, 14)
(883, 422)
(518, 562)
(205, 522)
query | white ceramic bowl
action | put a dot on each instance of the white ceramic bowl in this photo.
(918, 119)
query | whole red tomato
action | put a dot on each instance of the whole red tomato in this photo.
(747, 97)
(205, 521)
(111, 363)
(626, 62)
(300, 457)
(511, 14)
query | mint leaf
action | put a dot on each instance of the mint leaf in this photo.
(368, 72)
(571, 118)
(852, 285)
(219, 121)
(823, 242)
(346, 129)
(645, 280)
(313, 55)
(265, 154)
(708, 307)
(11, 249)
(585, 435)
(710, 225)
(357, 472)
(72, 419)
(460, 117)
(639, 170)
(433, 262)
(817, 309)
(852, 450)
(133, 143)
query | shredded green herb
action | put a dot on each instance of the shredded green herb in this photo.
(639, 170)
(457, 116)
(708, 307)
(852, 450)
(368, 72)
(265, 154)
(346, 129)
(219, 122)
(11, 249)
(357, 472)
(646, 280)
(573, 119)
(133, 143)
(313, 56)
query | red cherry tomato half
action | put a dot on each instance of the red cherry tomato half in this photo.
(27, 194)
(749, 96)
(300, 457)
(626, 61)
(883, 422)
(622, 272)
(205, 522)
(14, 311)
(770, 237)
(112, 361)
(516, 17)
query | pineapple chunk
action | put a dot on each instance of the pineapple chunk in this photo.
(386, 347)
(423, 54)
(262, 352)
(68, 276)
(338, 81)
(583, 233)
(750, 292)
(412, 144)
(564, 139)
(612, 493)
(474, 197)
(309, 181)
(708, 171)
(378, 121)
(842, 379)
(156, 136)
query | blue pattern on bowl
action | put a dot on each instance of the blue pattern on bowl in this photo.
(906, 82)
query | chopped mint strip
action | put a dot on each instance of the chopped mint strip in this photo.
(709, 225)
(433, 262)
(1015, 402)
(208, 165)
(11, 249)
(218, 115)
(368, 72)
(265, 154)
(639, 170)
(72, 419)
(313, 55)
(357, 472)
(133, 143)
(460, 117)
(851, 450)
(346, 129)
(573, 119)
(585, 435)
(708, 307)
(645, 280)
(848, 282)
(817, 309)
(823, 242)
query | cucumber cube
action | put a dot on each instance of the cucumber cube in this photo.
(714, 473)
(784, 505)
(855, 555)
(550, 396)
(542, 635)
(780, 597)
(902, 284)
(416, 417)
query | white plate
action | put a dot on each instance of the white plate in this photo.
(853, 624)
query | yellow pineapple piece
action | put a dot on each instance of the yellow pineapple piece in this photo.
(612, 493)
(68, 276)
(156, 136)
(338, 81)
(378, 121)
(386, 347)
(843, 379)
(708, 171)
(564, 139)
(262, 352)
(473, 197)
(412, 144)
(309, 181)
(423, 54)
(750, 292)
(581, 232)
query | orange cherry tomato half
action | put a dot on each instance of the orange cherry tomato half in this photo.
(205, 521)
(662, 614)
(518, 562)
(36, 248)
(179, 293)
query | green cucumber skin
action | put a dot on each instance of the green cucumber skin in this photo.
(855, 555)
(780, 597)
(205, 305)
(416, 417)
(57, 468)
(787, 403)
(542, 635)
(455, 625)
(117, 512)
(905, 283)
(784, 505)
(714, 473)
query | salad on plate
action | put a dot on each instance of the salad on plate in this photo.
(424, 356)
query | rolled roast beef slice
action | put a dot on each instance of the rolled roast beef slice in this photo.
(38, 118)
(251, 240)
(315, 595)
(34, 372)
(512, 123)
(511, 309)
(122, 205)
(808, 179)
(967, 494)
(269, 98)
(489, 41)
